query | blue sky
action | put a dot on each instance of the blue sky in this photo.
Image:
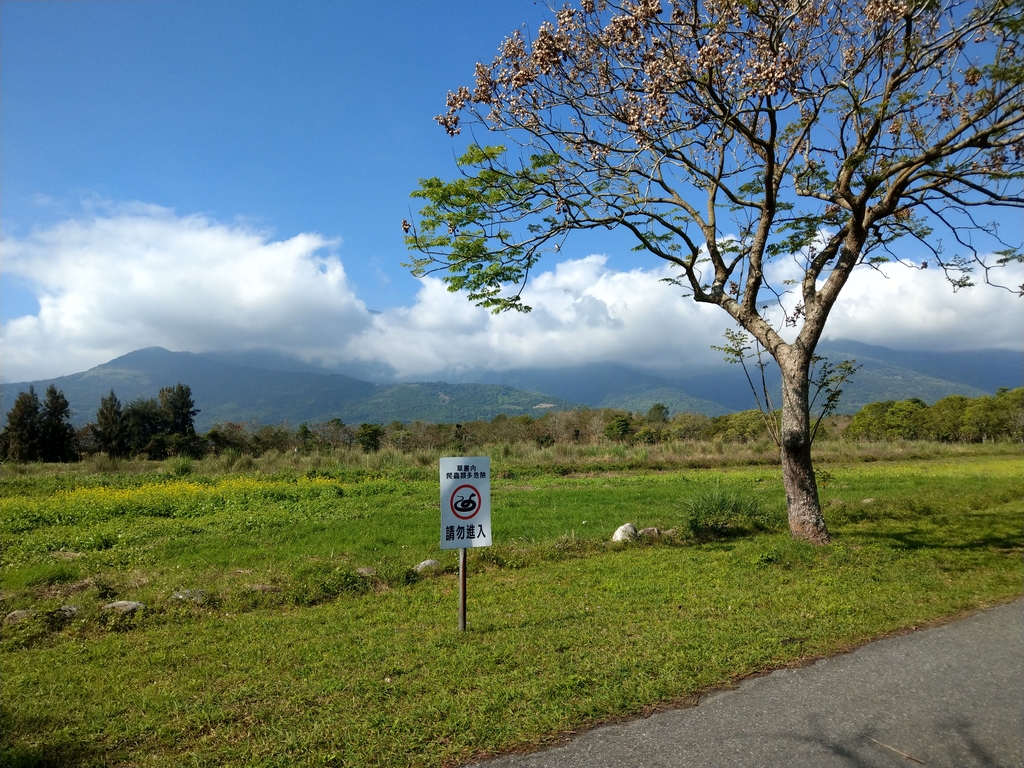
(158, 158)
(295, 116)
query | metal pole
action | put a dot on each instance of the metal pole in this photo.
(462, 590)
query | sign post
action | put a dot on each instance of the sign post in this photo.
(465, 512)
(462, 589)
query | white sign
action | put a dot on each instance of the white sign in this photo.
(465, 502)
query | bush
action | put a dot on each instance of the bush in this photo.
(648, 435)
(716, 513)
(181, 466)
(741, 427)
(618, 428)
(319, 582)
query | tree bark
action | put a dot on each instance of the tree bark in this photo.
(806, 521)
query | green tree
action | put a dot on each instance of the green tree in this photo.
(904, 419)
(740, 427)
(368, 436)
(889, 420)
(1011, 405)
(231, 436)
(58, 441)
(983, 420)
(111, 428)
(726, 135)
(179, 410)
(619, 427)
(869, 422)
(657, 414)
(146, 424)
(305, 438)
(23, 433)
(944, 421)
(689, 426)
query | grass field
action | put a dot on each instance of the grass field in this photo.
(282, 653)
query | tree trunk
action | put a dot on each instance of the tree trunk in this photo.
(805, 519)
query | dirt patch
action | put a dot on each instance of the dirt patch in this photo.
(62, 590)
(66, 556)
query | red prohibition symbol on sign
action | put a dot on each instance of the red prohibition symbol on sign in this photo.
(465, 502)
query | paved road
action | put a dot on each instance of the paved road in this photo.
(947, 696)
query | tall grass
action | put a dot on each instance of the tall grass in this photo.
(720, 512)
(516, 459)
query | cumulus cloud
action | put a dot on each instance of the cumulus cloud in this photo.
(583, 312)
(586, 312)
(903, 307)
(140, 276)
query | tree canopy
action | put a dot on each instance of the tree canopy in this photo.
(726, 135)
(111, 428)
(39, 431)
(58, 439)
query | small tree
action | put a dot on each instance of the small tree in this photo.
(724, 135)
(983, 420)
(619, 427)
(689, 426)
(1011, 405)
(657, 414)
(368, 436)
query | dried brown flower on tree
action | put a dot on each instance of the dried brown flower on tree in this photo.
(725, 134)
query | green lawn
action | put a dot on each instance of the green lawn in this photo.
(294, 659)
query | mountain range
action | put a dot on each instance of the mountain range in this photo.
(268, 387)
(883, 374)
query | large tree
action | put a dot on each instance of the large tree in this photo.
(146, 425)
(59, 440)
(22, 437)
(40, 431)
(111, 428)
(179, 409)
(725, 134)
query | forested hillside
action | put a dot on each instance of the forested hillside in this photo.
(265, 388)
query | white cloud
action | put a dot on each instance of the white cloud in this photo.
(901, 306)
(135, 276)
(142, 276)
(586, 312)
(908, 308)
(582, 312)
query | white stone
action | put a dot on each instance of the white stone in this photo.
(626, 532)
(426, 565)
(17, 616)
